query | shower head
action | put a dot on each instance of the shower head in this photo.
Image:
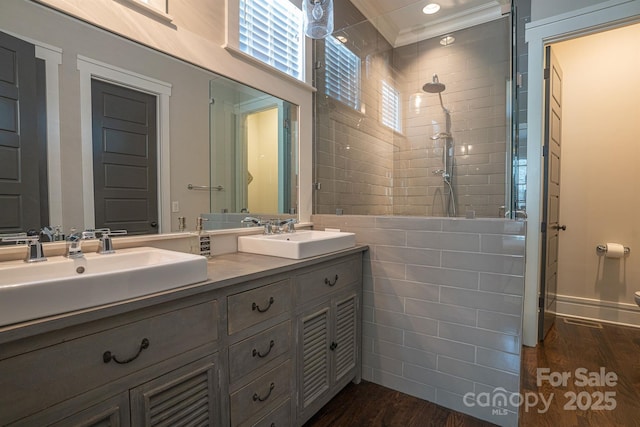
(434, 86)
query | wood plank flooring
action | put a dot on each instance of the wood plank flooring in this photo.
(580, 344)
(371, 405)
(566, 348)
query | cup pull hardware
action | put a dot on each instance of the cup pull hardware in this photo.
(333, 346)
(260, 355)
(107, 356)
(328, 282)
(257, 398)
(255, 306)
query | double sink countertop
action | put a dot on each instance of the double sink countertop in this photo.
(222, 271)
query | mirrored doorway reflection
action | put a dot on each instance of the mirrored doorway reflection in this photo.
(254, 162)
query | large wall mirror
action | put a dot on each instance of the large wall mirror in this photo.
(122, 136)
(257, 173)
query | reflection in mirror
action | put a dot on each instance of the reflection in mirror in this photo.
(253, 154)
(76, 56)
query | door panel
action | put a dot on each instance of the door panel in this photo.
(551, 201)
(20, 168)
(124, 158)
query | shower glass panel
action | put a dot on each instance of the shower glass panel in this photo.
(449, 155)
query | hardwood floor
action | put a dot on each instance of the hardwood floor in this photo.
(371, 405)
(575, 344)
(568, 347)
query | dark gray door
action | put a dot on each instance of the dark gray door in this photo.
(551, 201)
(23, 203)
(124, 158)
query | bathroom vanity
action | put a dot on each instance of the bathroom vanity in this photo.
(265, 341)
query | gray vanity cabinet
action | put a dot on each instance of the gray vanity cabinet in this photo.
(186, 396)
(260, 366)
(112, 412)
(329, 333)
(120, 370)
(264, 351)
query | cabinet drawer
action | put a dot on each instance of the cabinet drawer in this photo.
(257, 305)
(260, 394)
(70, 368)
(279, 417)
(329, 278)
(258, 350)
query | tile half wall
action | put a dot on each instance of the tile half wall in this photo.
(442, 312)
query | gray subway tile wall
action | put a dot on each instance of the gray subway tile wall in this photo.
(366, 168)
(442, 309)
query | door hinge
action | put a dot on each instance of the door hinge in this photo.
(545, 150)
(547, 73)
(543, 227)
(285, 123)
(541, 302)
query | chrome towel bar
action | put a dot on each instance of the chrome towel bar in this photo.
(205, 187)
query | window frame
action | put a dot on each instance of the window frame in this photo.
(337, 93)
(384, 87)
(232, 45)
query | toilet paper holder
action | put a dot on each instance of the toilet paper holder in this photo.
(602, 249)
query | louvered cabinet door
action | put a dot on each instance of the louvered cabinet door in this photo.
(314, 356)
(344, 344)
(184, 397)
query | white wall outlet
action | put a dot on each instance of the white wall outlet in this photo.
(175, 206)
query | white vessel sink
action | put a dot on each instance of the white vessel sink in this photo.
(298, 245)
(58, 285)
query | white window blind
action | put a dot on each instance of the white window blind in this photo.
(342, 75)
(271, 31)
(390, 107)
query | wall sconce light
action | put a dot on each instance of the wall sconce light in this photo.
(318, 18)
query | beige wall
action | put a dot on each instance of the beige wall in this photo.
(600, 173)
(262, 161)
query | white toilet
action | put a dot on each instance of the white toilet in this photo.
(637, 297)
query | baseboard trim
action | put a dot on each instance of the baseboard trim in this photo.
(601, 311)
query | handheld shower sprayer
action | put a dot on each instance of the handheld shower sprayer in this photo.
(434, 86)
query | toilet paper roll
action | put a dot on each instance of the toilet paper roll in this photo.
(614, 250)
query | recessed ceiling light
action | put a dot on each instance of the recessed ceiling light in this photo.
(431, 8)
(447, 40)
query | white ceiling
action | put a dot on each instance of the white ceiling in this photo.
(402, 22)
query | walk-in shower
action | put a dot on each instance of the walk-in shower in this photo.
(446, 172)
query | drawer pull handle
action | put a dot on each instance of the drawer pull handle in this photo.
(107, 356)
(257, 353)
(328, 282)
(255, 306)
(257, 398)
(333, 346)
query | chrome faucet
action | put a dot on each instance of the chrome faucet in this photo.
(74, 242)
(34, 247)
(105, 245)
(251, 221)
(287, 225)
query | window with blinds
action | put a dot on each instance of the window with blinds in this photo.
(390, 107)
(342, 75)
(271, 31)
